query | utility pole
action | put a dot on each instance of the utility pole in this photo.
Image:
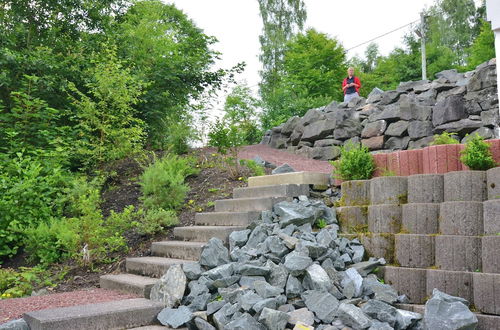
(422, 40)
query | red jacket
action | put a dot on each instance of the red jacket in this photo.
(356, 81)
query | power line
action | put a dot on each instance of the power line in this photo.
(382, 35)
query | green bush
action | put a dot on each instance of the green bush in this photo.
(225, 137)
(355, 163)
(444, 138)
(163, 183)
(477, 154)
(30, 194)
(155, 221)
(256, 169)
(14, 284)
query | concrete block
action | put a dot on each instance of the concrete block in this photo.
(491, 216)
(353, 219)
(248, 204)
(290, 178)
(490, 247)
(226, 218)
(389, 190)
(461, 218)
(384, 218)
(288, 190)
(130, 283)
(121, 314)
(204, 233)
(465, 186)
(413, 250)
(409, 281)
(177, 249)
(356, 192)
(493, 183)
(420, 218)
(461, 253)
(455, 283)
(379, 245)
(151, 266)
(487, 322)
(425, 188)
(487, 292)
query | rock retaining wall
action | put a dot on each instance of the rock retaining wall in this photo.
(445, 237)
(405, 118)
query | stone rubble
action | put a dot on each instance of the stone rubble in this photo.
(283, 272)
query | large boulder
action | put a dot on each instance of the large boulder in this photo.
(375, 128)
(170, 288)
(443, 311)
(214, 254)
(450, 109)
(398, 128)
(347, 129)
(289, 126)
(318, 130)
(483, 78)
(418, 129)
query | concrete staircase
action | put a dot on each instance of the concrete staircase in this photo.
(143, 272)
(230, 215)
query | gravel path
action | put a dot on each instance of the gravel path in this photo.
(279, 157)
(14, 308)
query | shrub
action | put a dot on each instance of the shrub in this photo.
(225, 137)
(257, 170)
(477, 154)
(163, 184)
(444, 138)
(20, 283)
(355, 163)
(155, 221)
(30, 194)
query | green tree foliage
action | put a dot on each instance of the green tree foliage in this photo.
(313, 69)
(240, 110)
(281, 20)
(483, 48)
(173, 56)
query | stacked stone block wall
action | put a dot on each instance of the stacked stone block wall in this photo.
(445, 234)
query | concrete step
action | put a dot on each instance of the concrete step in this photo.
(151, 266)
(248, 204)
(140, 285)
(156, 327)
(289, 190)
(290, 178)
(120, 314)
(204, 233)
(177, 249)
(226, 218)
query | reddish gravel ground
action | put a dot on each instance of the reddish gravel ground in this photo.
(279, 157)
(14, 308)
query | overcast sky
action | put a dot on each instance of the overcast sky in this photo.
(237, 25)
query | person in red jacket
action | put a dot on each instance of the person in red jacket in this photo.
(351, 85)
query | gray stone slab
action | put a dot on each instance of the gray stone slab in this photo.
(248, 204)
(130, 283)
(384, 218)
(425, 188)
(411, 282)
(461, 218)
(465, 186)
(356, 192)
(205, 233)
(151, 266)
(488, 322)
(493, 183)
(491, 217)
(352, 219)
(389, 190)
(413, 250)
(177, 249)
(461, 253)
(490, 247)
(487, 292)
(121, 314)
(226, 218)
(420, 218)
(290, 190)
(455, 283)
